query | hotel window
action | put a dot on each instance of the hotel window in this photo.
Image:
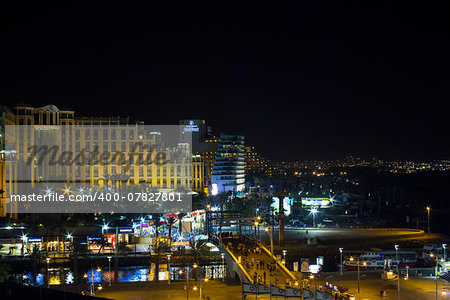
(95, 134)
(130, 146)
(149, 171)
(123, 147)
(95, 172)
(87, 147)
(113, 147)
(77, 147)
(158, 171)
(178, 171)
(105, 134)
(113, 134)
(172, 171)
(141, 171)
(105, 146)
(164, 171)
(131, 133)
(77, 134)
(122, 134)
(87, 134)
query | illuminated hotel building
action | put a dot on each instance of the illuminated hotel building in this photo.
(229, 167)
(105, 134)
(256, 163)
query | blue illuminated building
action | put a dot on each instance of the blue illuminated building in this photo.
(228, 174)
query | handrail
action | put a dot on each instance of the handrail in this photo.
(283, 267)
(240, 266)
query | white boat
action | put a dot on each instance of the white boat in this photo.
(376, 259)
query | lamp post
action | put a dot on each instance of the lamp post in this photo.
(364, 263)
(284, 254)
(314, 212)
(48, 271)
(223, 266)
(340, 252)
(428, 213)
(271, 240)
(396, 253)
(109, 270)
(168, 266)
(444, 246)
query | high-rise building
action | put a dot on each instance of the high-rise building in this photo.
(229, 167)
(256, 163)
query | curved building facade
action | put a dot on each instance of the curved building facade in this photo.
(228, 174)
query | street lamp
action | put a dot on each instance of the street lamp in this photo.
(428, 213)
(271, 240)
(436, 273)
(109, 270)
(340, 252)
(284, 254)
(223, 266)
(364, 263)
(48, 271)
(396, 253)
(444, 246)
(168, 266)
(314, 212)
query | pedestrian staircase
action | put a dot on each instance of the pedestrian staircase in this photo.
(446, 276)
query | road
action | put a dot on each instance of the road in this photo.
(370, 285)
(413, 288)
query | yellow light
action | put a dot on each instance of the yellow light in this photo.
(256, 223)
(259, 218)
(195, 266)
(311, 276)
(180, 272)
(266, 229)
(100, 287)
(428, 208)
(85, 275)
(364, 263)
(352, 259)
(208, 206)
(296, 283)
(431, 254)
(194, 288)
(442, 260)
(99, 270)
(206, 279)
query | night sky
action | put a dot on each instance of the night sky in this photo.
(319, 80)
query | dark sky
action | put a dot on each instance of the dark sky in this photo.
(313, 81)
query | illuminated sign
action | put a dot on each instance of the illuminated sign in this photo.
(191, 127)
(287, 203)
(214, 189)
(126, 230)
(316, 202)
(94, 238)
(34, 240)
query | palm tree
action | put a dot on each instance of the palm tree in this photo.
(170, 222)
(199, 249)
(159, 247)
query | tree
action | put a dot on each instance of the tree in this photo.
(4, 271)
(159, 247)
(199, 249)
(170, 222)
